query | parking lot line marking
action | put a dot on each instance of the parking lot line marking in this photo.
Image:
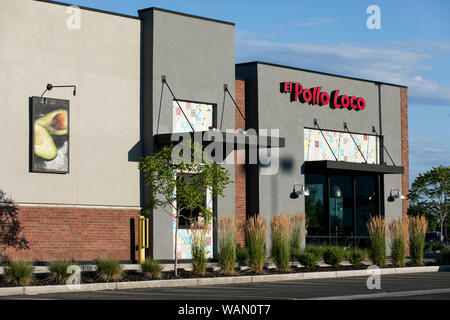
(384, 295)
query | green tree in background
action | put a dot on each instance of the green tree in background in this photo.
(418, 210)
(182, 185)
(429, 195)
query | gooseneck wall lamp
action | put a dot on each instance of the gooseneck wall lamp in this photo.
(50, 87)
(299, 189)
(395, 194)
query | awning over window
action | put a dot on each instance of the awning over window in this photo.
(328, 165)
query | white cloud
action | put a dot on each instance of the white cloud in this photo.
(395, 62)
(433, 150)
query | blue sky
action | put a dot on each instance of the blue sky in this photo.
(411, 48)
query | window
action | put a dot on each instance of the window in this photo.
(339, 207)
(200, 115)
(187, 216)
(314, 204)
(366, 202)
(317, 146)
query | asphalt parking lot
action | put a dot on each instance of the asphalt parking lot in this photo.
(434, 286)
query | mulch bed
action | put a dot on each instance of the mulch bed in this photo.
(91, 277)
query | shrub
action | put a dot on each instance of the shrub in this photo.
(108, 269)
(58, 271)
(241, 255)
(377, 233)
(281, 240)
(356, 256)
(308, 259)
(227, 245)
(255, 232)
(298, 235)
(198, 247)
(333, 256)
(398, 234)
(417, 230)
(18, 273)
(317, 251)
(152, 268)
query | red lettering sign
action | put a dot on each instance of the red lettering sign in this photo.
(314, 96)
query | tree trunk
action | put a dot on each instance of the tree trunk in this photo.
(176, 242)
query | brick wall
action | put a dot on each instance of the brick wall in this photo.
(80, 234)
(405, 147)
(239, 176)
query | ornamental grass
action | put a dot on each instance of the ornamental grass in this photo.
(417, 231)
(198, 247)
(108, 269)
(298, 223)
(399, 238)
(377, 233)
(18, 273)
(281, 227)
(152, 268)
(227, 245)
(255, 233)
(59, 271)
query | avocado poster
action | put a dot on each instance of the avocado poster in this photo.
(49, 135)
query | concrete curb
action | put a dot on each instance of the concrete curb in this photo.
(209, 281)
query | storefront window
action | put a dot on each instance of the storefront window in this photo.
(365, 202)
(314, 205)
(339, 207)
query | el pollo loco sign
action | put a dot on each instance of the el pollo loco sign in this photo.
(315, 96)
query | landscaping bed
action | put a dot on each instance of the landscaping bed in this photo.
(92, 277)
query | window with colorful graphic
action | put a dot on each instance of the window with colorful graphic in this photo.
(184, 235)
(200, 115)
(343, 146)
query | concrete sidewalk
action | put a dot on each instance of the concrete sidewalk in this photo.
(429, 285)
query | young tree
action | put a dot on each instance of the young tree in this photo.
(429, 191)
(182, 185)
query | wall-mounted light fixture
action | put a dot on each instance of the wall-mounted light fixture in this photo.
(302, 191)
(395, 194)
(50, 87)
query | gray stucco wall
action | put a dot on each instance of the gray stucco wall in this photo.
(275, 111)
(197, 57)
(102, 59)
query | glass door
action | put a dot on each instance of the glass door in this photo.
(341, 206)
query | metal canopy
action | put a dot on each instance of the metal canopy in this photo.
(240, 140)
(311, 166)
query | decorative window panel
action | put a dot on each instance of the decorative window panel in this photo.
(200, 116)
(184, 236)
(343, 146)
